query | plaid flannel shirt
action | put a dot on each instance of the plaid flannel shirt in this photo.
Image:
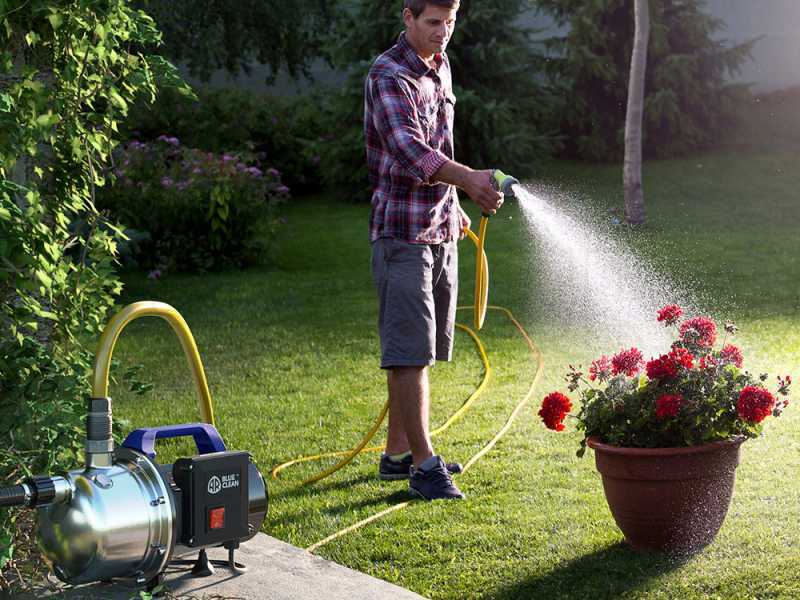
(408, 128)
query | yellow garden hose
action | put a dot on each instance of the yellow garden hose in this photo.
(538, 360)
(130, 313)
(349, 455)
(479, 314)
(481, 297)
(481, 274)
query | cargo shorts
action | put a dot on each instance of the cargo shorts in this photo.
(417, 288)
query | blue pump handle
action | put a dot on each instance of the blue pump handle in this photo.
(206, 438)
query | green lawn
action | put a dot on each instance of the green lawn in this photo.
(291, 357)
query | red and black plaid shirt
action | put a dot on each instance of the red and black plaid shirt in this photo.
(408, 127)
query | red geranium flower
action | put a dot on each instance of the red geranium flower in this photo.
(700, 331)
(754, 404)
(662, 368)
(666, 366)
(682, 357)
(600, 369)
(668, 405)
(670, 314)
(731, 355)
(554, 409)
(629, 362)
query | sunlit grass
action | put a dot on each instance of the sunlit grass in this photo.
(291, 353)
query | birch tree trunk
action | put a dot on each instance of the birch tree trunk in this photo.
(632, 170)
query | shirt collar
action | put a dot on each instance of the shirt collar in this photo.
(413, 60)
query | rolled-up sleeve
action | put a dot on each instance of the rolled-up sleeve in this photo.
(395, 118)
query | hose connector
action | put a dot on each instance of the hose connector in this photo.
(504, 183)
(99, 440)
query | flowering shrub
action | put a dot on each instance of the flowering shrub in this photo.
(202, 210)
(691, 395)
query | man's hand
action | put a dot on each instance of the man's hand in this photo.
(465, 224)
(477, 184)
(480, 187)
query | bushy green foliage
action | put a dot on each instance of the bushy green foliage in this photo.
(68, 72)
(688, 97)
(200, 210)
(284, 131)
(501, 102)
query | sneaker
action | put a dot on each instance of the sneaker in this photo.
(390, 470)
(434, 483)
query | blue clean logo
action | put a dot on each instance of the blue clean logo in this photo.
(214, 485)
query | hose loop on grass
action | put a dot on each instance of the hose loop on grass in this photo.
(538, 360)
(349, 455)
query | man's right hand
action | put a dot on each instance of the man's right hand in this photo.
(479, 185)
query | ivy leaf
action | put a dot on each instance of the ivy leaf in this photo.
(56, 20)
(44, 278)
(5, 103)
(32, 38)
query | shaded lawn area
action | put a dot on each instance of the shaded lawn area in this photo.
(291, 357)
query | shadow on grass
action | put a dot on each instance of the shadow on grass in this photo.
(313, 489)
(608, 573)
(393, 497)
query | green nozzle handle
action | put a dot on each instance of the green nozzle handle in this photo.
(504, 183)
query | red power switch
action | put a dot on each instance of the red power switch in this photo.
(216, 518)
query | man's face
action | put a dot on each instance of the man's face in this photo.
(431, 31)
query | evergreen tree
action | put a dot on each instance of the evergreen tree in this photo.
(689, 99)
(207, 35)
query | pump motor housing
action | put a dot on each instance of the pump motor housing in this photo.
(128, 520)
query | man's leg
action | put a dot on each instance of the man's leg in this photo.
(409, 412)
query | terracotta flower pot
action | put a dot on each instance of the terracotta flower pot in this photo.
(668, 499)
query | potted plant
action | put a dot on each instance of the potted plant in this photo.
(666, 433)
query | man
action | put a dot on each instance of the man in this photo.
(415, 223)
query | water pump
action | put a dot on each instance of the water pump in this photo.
(125, 516)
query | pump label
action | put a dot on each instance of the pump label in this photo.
(227, 482)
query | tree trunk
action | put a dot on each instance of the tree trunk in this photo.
(632, 171)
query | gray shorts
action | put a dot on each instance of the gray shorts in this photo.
(417, 291)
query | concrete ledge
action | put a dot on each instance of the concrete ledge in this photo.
(276, 571)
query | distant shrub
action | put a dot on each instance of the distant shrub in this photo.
(202, 210)
(285, 131)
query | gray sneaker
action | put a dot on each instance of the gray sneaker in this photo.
(391, 470)
(434, 483)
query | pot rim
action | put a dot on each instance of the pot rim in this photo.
(595, 444)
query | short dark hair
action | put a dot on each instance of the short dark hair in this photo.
(417, 7)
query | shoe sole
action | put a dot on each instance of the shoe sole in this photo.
(392, 477)
(399, 476)
(415, 494)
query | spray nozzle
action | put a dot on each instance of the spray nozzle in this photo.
(504, 183)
